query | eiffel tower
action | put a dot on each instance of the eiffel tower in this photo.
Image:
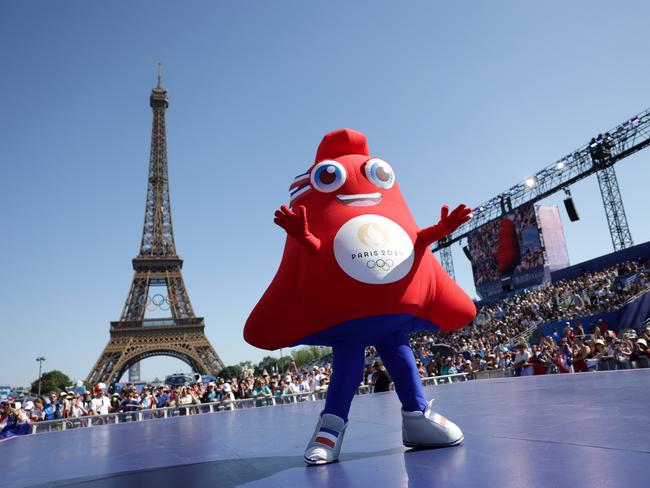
(133, 338)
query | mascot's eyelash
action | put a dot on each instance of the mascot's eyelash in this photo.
(299, 187)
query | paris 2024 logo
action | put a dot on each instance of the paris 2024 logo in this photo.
(373, 249)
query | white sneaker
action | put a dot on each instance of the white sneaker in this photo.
(325, 444)
(429, 429)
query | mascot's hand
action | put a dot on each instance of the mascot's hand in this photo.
(448, 223)
(295, 224)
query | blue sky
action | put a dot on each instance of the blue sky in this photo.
(464, 99)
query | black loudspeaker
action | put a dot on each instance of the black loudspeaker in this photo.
(571, 209)
(467, 254)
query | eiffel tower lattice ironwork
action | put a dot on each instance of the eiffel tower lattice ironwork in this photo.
(134, 337)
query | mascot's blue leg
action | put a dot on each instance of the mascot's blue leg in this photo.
(325, 444)
(421, 426)
(399, 360)
(347, 365)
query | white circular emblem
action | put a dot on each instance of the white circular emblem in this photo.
(373, 249)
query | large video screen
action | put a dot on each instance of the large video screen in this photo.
(507, 253)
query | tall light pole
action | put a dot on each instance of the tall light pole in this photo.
(40, 360)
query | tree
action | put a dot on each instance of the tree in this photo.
(286, 364)
(52, 381)
(308, 354)
(230, 372)
(268, 364)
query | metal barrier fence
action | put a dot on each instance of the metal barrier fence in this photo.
(220, 406)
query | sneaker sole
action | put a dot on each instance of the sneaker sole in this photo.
(433, 446)
(317, 463)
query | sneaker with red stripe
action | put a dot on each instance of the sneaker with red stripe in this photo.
(429, 429)
(325, 444)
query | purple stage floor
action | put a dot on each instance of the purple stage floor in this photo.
(574, 430)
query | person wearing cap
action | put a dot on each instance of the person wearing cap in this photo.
(604, 355)
(276, 388)
(290, 387)
(28, 408)
(643, 353)
(64, 405)
(227, 396)
(101, 403)
(115, 402)
(645, 334)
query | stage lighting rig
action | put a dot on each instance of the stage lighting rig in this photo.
(598, 156)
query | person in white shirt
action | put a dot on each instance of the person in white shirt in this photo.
(303, 384)
(100, 403)
(314, 379)
(290, 386)
(77, 408)
(522, 368)
(228, 397)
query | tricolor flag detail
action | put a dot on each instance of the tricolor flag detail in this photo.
(327, 437)
(299, 187)
(439, 419)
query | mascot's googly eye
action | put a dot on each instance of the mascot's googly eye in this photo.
(380, 173)
(328, 176)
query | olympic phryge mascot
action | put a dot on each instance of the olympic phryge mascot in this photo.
(357, 271)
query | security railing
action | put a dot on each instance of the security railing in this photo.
(212, 407)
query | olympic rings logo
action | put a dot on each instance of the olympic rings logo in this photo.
(157, 301)
(383, 264)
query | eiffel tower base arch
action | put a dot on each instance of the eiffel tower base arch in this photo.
(129, 345)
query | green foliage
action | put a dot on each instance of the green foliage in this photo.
(268, 364)
(230, 372)
(285, 364)
(308, 354)
(52, 381)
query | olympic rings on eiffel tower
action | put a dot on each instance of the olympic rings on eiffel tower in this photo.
(157, 301)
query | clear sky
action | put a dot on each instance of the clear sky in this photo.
(464, 99)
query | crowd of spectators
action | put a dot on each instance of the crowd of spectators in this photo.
(491, 340)
(16, 416)
(496, 340)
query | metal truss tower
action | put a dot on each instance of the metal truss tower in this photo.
(613, 203)
(447, 261)
(181, 335)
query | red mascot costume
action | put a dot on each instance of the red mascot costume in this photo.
(357, 271)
